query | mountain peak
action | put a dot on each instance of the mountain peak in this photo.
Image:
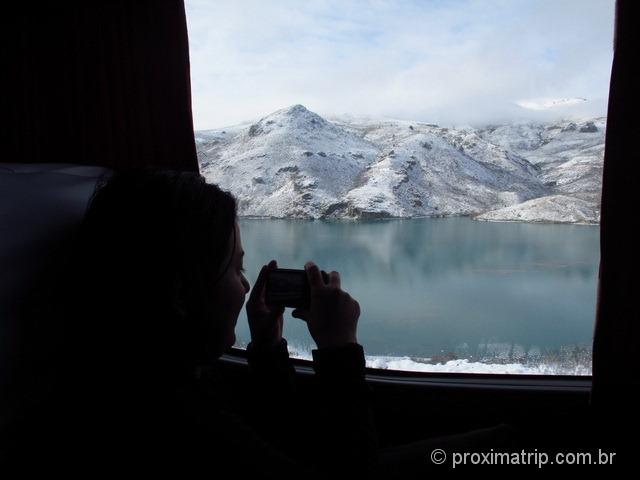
(295, 117)
(297, 109)
(299, 114)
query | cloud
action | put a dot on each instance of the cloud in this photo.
(438, 61)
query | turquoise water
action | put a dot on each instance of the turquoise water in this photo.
(448, 294)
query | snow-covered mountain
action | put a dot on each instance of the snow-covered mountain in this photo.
(294, 163)
(569, 157)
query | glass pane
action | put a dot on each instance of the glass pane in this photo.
(444, 157)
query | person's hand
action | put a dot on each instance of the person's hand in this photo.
(265, 322)
(332, 316)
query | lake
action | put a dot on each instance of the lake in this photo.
(447, 294)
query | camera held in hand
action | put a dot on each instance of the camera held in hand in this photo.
(287, 288)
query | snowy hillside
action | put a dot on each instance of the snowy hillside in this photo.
(569, 158)
(294, 163)
(551, 208)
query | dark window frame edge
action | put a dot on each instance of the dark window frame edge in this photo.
(473, 381)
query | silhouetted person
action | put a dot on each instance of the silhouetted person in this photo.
(124, 372)
(121, 373)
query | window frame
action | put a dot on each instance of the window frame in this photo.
(506, 381)
(578, 384)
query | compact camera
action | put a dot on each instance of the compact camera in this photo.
(287, 288)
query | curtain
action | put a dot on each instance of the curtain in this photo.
(98, 83)
(616, 350)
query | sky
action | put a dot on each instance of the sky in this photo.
(451, 62)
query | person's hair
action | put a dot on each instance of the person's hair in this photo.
(136, 293)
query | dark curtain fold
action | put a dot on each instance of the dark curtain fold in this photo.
(616, 350)
(99, 83)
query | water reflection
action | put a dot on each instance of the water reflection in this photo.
(445, 288)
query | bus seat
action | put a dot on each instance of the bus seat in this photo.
(40, 207)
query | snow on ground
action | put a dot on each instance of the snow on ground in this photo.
(409, 364)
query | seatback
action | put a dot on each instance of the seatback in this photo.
(41, 205)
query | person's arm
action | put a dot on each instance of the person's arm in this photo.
(345, 437)
(267, 352)
(342, 433)
(270, 367)
(272, 407)
(272, 390)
